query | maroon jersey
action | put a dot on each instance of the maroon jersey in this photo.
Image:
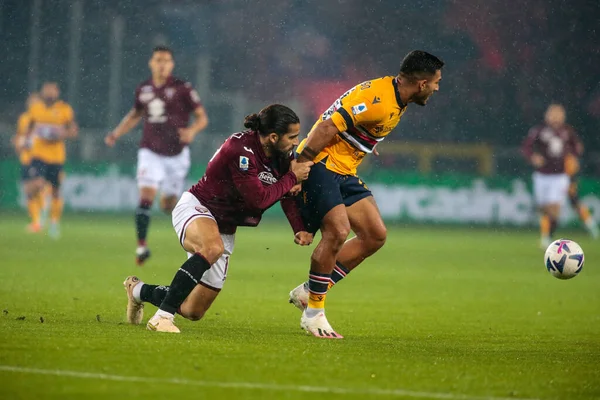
(554, 144)
(166, 109)
(241, 183)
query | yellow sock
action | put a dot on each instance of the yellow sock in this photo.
(316, 300)
(584, 213)
(545, 225)
(34, 207)
(56, 208)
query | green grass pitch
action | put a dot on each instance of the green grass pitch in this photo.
(438, 313)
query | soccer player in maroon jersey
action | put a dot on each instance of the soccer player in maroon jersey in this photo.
(249, 173)
(546, 147)
(165, 103)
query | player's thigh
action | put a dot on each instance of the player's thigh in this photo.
(176, 172)
(335, 225)
(365, 220)
(196, 228)
(37, 172)
(54, 176)
(150, 169)
(541, 189)
(556, 189)
(320, 195)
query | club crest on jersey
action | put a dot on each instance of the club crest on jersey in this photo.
(169, 92)
(244, 163)
(267, 177)
(201, 210)
(360, 108)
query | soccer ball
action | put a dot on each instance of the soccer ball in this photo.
(564, 259)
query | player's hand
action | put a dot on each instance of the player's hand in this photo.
(375, 152)
(110, 139)
(186, 135)
(537, 160)
(301, 170)
(295, 189)
(303, 238)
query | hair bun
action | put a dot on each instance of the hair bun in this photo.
(252, 121)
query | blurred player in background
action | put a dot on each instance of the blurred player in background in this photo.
(572, 169)
(52, 122)
(165, 103)
(22, 142)
(546, 147)
(249, 173)
(335, 200)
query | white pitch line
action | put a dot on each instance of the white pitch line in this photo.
(253, 386)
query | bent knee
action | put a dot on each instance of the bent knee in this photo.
(377, 239)
(210, 251)
(337, 234)
(167, 204)
(194, 315)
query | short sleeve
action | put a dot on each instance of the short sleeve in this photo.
(137, 104)
(69, 114)
(191, 97)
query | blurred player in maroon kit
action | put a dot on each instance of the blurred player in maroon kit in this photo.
(546, 147)
(165, 103)
(249, 173)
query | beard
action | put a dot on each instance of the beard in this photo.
(421, 99)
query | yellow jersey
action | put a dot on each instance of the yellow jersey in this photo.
(23, 124)
(48, 123)
(364, 115)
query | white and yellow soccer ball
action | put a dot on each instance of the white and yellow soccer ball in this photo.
(564, 259)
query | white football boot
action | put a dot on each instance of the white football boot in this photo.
(318, 326)
(299, 296)
(135, 309)
(162, 324)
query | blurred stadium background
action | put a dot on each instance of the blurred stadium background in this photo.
(441, 312)
(456, 160)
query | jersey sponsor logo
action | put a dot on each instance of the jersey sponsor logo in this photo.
(267, 177)
(360, 108)
(169, 92)
(376, 100)
(244, 163)
(248, 149)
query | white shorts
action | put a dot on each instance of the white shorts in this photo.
(188, 209)
(163, 172)
(550, 188)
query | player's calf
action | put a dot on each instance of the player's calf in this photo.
(168, 203)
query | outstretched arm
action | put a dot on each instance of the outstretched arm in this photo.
(130, 120)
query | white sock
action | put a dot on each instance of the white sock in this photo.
(137, 290)
(313, 312)
(162, 313)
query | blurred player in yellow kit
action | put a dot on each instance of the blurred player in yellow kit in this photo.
(334, 200)
(22, 144)
(52, 122)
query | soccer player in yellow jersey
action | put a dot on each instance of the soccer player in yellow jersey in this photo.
(333, 198)
(22, 145)
(52, 122)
